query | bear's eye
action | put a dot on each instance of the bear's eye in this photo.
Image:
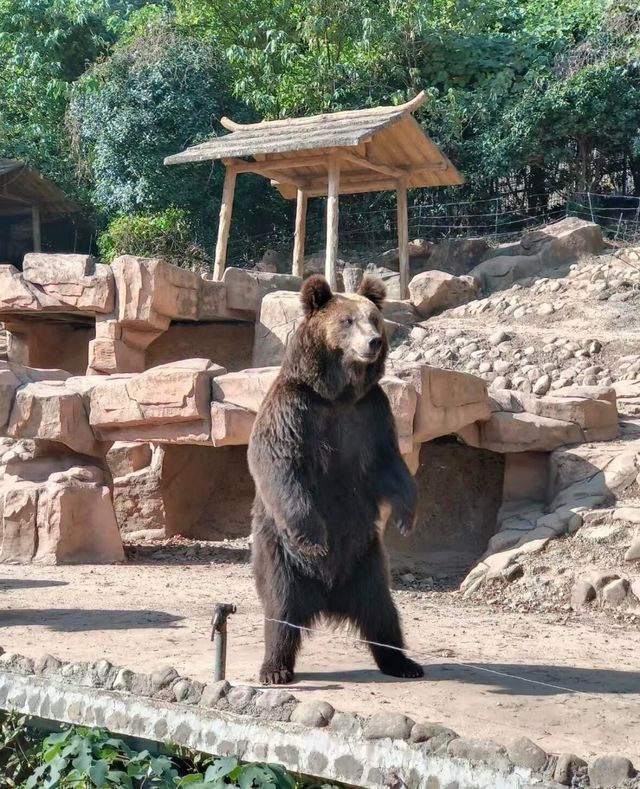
(347, 321)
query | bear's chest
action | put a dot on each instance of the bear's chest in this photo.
(345, 443)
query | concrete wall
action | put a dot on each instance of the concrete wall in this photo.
(387, 749)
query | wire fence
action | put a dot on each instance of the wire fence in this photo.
(369, 227)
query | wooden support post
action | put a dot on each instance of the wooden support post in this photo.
(333, 192)
(35, 228)
(403, 238)
(301, 230)
(224, 226)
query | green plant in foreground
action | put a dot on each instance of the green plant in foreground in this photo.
(83, 758)
(17, 744)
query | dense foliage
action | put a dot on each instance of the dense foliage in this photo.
(80, 758)
(528, 97)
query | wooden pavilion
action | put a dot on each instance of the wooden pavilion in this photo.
(370, 150)
(31, 202)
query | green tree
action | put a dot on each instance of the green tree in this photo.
(45, 45)
(159, 91)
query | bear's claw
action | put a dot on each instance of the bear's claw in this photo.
(269, 675)
(311, 548)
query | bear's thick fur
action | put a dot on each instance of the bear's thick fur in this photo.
(324, 457)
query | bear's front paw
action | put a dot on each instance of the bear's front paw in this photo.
(405, 521)
(274, 675)
(311, 545)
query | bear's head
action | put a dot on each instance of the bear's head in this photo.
(341, 346)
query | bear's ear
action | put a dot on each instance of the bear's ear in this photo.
(315, 293)
(373, 289)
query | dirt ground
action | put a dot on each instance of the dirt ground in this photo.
(156, 610)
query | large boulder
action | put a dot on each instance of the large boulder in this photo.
(558, 244)
(246, 289)
(434, 291)
(51, 411)
(246, 388)
(230, 424)
(15, 294)
(168, 403)
(403, 399)
(76, 281)
(521, 432)
(525, 423)
(457, 255)
(8, 386)
(54, 509)
(280, 314)
(447, 401)
(152, 292)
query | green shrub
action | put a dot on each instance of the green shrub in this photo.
(82, 758)
(166, 234)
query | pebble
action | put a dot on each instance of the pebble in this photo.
(542, 385)
(388, 724)
(211, 694)
(467, 350)
(270, 699)
(615, 593)
(610, 771)
(240, 696)
(418, 334)
(533, 374)
(567, 767)
(502, 366)
(525, 753)
(498, 337)
(313, 713)
(546, 309)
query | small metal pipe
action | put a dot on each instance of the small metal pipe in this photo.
(219, 637)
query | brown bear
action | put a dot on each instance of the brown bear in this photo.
(324, 457)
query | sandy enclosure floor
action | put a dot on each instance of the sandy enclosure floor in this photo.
(144, 615)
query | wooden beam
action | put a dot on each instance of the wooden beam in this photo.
(35, 228)
(361, 161)
(316, 188)
(242, 166)
(403, 238)
(301, 230)
(333, 218)
(224, 225)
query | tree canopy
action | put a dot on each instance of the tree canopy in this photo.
(525, 96)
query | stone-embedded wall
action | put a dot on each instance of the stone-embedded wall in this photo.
(199, 418)
(125, 309)
(311, 737)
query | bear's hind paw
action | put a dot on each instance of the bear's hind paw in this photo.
(403, 667)
(270, 675)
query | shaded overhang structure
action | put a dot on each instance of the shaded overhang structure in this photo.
(23, 191)
(369, 150)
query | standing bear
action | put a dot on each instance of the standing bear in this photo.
(324, 457)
